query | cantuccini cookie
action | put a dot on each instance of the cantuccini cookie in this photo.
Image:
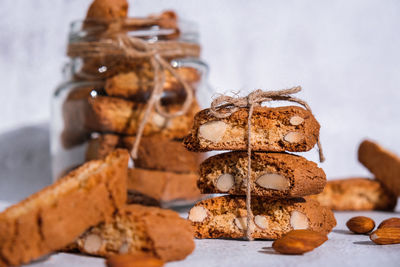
(356, 194)
(225, 217)
(155, 152)
(139, 229)
(55, 216)
(288, 128)
(111, 114)
(273, 175)
(384, 164)
(138, 85)
(164, 186)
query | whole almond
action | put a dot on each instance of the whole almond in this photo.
(360, 225)
(390, 223)
(129, 260)
(298, 242)
(386, 236)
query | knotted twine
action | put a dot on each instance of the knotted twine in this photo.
(119, 44)
(224, 106)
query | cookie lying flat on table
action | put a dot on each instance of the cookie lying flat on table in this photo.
(274, 175)
(382, 163)
(139, 229)
(163, 186)
(356, 194)
(55, 216)
(111, 114)
(156, 153)
(289, 128)
(225, 217)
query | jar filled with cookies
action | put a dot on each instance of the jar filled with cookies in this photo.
(131, 83)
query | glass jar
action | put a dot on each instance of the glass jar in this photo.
(101, 102)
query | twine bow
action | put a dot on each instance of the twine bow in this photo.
(136, 48)
(223, 106)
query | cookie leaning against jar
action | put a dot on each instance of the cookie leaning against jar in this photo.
(279, 129)
(274, 175)
(55, 216)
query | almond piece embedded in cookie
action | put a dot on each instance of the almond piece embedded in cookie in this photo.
(261, 221)
(296, 120)
(225, 182)
(273, 181)
(198, 214)
(92, 243)
(213, 131)
(299, 220)
(293, 137)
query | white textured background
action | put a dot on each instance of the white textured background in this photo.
(344, 53)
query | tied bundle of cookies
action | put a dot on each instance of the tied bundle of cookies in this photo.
(267, 187)
(138, 80)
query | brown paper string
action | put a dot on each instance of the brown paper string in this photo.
(135, 48)
(223, 106)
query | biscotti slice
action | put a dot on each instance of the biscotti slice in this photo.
(288, 128)
(139, 84)
(382, 163)
(225, 217)
(55, 216)
(138, 229)
(274, 175)
(356, 194)
(164, 186)
(111, 114)
(155, 152)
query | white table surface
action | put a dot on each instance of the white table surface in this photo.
(342, 249)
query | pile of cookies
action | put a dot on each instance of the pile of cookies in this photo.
(280, 182)
(111, 93)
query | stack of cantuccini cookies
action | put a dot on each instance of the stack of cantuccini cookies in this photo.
(114, 111)
(279, 182)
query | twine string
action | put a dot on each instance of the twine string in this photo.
(223, 106)
(119, 44)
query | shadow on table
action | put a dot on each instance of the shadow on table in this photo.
(24, 161)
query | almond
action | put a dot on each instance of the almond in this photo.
(386, 236)
(129, 260)
(299, 241)
(360, 225)
(390, 223)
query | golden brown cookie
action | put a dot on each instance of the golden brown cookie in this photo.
(288, 128)
(139, 229)
(225, 217)
(164, 186)
(107, 10)
(55, 216)
(274, 175)
(139, 84)
(382, 163)
(110, 114)
(155, 153)
(356, 194)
